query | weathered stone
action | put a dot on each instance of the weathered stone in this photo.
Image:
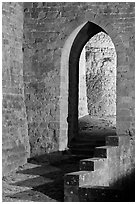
(33, 38)
(100, 77)
(15, 138)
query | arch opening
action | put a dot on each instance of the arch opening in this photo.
(70, 88)
(97, 90)
(97, 79)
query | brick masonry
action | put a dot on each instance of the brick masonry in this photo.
(46, 28)
(15, 142)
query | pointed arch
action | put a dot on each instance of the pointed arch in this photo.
(70, 72)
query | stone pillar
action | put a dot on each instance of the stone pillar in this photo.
(15, 140)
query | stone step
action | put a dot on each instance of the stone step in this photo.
(90, 138)
(87, 143)
(105, 151)
(76, 178)
(112, 141)
(84, 147)
(71, 194)
(92, 164)
(81, 145)
(117, 140)
(80, 156)
(94, 178)
(99, 194)
(99, 175)
(108, 140)
(89, 193)
(97, 131)
(84, 150)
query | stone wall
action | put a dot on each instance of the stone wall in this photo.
(47, 26)
(101, 76)
(15, 141)
(83, 105)
(42, 51)
(97, 78)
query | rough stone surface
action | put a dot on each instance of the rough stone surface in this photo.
(83, 105)
(15, 142)
(117, 19)
(101, 76)
(38, 181)
(41, 77)
(111, 168)
(46, 27)
(97, 84)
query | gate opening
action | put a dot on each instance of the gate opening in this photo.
(70, 90)
(97, 86)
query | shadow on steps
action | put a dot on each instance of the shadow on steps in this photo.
(87, 193)
(92, 133)
(44, 177)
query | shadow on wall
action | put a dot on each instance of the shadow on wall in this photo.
(48, 181)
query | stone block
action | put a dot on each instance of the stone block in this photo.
(71, 194)
(94, 178)
(48, 35)
(92, 164)
(112, 141)
(99, 194)
(74, 179)
(104, 151)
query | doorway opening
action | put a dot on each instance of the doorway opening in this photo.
(80, 57)
(97, 90)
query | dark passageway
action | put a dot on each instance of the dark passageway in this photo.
(88, 30)
(92, 133)
(92, 90)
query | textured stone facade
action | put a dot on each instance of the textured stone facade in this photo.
(97, 78)
(15, 141)
(101, 76)
(41, 77)
(83, 105)
(50, 29)
(117, 19)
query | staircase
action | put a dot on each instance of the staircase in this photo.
(101, 177)
(92, 133)
(84, 146)
(86, 142)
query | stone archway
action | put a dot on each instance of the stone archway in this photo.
(69, 77)
(97, 79)
(88, 31)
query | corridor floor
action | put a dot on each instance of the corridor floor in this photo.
(97, 126)
(38, 181)
(41, 181)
